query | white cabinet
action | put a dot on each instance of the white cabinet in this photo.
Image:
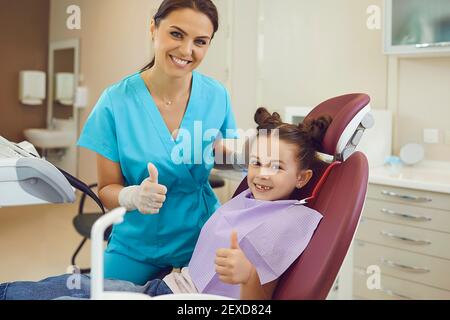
(406, 233)
(417, 27)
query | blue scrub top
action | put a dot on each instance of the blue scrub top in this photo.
(126, 126)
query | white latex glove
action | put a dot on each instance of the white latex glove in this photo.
(148, 197)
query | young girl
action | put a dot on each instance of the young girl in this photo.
(250, 241)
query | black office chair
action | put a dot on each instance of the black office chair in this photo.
(83, 222)
(216, 181)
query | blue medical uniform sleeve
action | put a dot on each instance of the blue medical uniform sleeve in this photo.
(229, 128)
(99, 132)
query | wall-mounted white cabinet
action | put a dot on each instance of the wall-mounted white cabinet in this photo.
(417, 27)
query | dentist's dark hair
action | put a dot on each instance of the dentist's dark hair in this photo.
(307, 136)
(206, 7)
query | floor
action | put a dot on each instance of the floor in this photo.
(38, 241)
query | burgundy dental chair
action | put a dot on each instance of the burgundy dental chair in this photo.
(338, 192)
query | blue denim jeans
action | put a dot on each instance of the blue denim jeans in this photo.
(73, 286)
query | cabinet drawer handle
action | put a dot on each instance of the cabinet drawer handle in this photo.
(405, 196)
(395, 294)
(402, 238)
(404, 266)
(406, 215)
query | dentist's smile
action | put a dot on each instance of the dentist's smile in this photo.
(181, 63)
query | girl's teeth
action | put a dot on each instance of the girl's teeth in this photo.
(262, 188)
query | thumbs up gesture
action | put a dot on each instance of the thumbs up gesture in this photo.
(150, 195)
(232, 265)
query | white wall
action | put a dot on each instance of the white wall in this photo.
(115, 42)
(313, 50)
(244, 65)
(423, 102)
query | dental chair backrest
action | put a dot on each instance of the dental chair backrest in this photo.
(339, 193)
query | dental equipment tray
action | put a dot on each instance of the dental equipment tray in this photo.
(26, 179)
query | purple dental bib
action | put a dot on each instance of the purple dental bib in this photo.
(272, 234)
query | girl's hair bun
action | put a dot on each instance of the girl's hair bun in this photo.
(265, 120)
(315, 129)
(307, 136)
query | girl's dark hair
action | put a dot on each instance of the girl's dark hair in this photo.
(307, 136)
(206, 7)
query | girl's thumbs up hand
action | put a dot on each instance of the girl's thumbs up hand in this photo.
(234, 241)
(232, 265)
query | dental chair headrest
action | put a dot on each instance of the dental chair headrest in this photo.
(351, 116)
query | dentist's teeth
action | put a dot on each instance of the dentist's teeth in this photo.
(179, 61)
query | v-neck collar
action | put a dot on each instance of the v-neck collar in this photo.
(157, 121)
(150, 106)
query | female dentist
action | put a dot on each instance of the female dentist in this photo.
(138, 125)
